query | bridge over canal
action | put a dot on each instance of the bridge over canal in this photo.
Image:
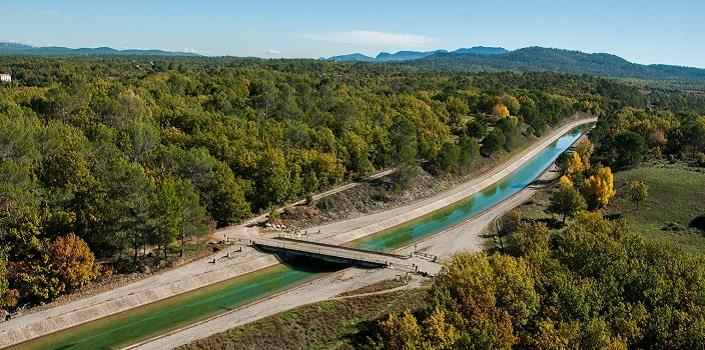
(419, 263)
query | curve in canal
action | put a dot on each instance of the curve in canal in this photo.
(163, 316)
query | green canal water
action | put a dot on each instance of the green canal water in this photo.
(442, 219)
(148, 321)
(142, 323)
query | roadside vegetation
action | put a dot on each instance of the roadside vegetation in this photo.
(332, 324)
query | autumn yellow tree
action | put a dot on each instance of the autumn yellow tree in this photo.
(512, 103)
(500, 111)
(585, 150)
(565, 181)
(71, 257)
(491, 294)
(574, 165)
(440, 334)
(566, 200)
(638, 192)
(599, 188)
(399, 332)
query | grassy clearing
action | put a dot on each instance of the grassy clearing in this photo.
(677, 195)
(330, 324)
(377, 287)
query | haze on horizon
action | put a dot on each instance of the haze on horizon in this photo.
(665, 32)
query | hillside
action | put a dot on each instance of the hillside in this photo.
(8, 48)
(558, 60)
(415, 55)
(405, 55)
(353, 57)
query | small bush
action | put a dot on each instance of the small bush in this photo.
(324, 204)
(698, 223)
(700, 159)
(382, 195)
(309, 199)
(672, 227)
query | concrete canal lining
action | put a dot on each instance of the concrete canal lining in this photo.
(201, 273)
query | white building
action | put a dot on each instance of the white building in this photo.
(5, 78)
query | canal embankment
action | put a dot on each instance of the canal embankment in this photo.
(205, 272)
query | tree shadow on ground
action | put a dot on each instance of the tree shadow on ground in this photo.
(551, 223)
(613, 216)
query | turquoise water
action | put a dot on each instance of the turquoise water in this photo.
(470, 207)
(145, 322)
(157, 318)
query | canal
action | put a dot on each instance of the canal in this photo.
(163, 316)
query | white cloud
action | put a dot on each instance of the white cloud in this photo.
(273, 52)
(366, 37)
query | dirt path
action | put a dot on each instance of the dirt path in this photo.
(354, 228)
(413, 284)
(201, 272)
(248, 226)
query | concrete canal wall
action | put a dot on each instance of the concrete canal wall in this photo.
(202, 273)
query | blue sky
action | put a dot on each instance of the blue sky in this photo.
(640, 31)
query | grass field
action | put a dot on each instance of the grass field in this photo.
(330, 324)
(677, 195)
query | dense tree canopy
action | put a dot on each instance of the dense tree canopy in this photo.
(598, 189)
(595, 285)
(129, 153)
(566, 200)
(628, 135)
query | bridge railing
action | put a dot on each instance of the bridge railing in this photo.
(323, 250)
(379, 251)
(429, 257)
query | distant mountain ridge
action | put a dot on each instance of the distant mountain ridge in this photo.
(558, 60)
(534, 58)
(353, 57)
(473, 59)
(415, 55)
(9, 48)
(405, 55)
(482, 50)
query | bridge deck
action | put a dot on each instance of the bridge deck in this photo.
(322, 250)
(381, 253)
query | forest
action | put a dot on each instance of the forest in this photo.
(595, 285)
(595, 282)
(105, 161)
